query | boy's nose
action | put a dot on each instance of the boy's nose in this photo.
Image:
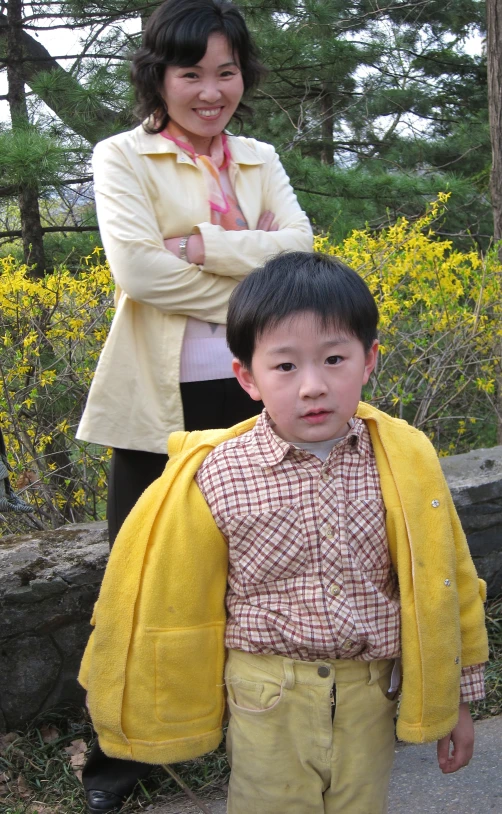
(312, 386)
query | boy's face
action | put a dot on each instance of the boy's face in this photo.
(309, 377)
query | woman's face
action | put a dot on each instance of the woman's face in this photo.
(202, 99)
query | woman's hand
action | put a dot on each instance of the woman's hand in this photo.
(266, 222)
(194, 248)
(462, 738)
(195, 244)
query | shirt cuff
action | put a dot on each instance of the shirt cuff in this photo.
(472, 683)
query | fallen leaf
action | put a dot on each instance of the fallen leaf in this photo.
(23, 787)
(49, 733)
(78, 774)
(6, 740)
(76, 747)
(4, 777)
(78, 760)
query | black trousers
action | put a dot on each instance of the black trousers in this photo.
(206, 405)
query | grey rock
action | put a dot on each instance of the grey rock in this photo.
(49, 583)
(475, 481)
(29, 668)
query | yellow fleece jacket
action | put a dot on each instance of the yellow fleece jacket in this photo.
(153, 666)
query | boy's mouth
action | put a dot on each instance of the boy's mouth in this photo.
(316, 416)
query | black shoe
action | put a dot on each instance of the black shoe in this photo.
(99, 802)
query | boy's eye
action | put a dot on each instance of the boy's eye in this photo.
(286, 367)
(334, 360)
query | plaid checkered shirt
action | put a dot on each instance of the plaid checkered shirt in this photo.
(310, 575)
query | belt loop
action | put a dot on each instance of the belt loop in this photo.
(374, 671)
(289, 674)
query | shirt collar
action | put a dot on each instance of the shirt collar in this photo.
(154, 144)
(268, 449)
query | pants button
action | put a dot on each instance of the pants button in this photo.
(323, 671)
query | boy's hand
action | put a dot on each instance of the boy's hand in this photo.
(462, 738)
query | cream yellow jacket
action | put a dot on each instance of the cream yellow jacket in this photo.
(153, 667)
(148, 190)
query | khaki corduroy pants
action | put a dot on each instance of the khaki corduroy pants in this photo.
(289, 755)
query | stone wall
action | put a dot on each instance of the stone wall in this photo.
(475, 481)
(49, 582)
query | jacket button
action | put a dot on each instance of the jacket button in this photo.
(435, 504)
(457, 660)
(447, 583)
(323, 671)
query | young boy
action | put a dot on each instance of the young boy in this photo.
(345, 559)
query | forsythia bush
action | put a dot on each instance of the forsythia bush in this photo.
(440, 329)
(440, 332)
(51, 334)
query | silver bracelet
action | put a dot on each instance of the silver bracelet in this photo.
(183, 248)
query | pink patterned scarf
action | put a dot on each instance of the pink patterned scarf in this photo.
(225, 210)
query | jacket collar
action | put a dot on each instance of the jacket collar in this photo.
(147, 144)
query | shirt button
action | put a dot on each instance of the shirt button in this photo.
(323, 671)
(334, 590)
(328, 532)
(326, 476)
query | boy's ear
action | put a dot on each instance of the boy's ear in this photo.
(370, 361)
(246, 379)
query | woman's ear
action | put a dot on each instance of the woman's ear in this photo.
(246, 379)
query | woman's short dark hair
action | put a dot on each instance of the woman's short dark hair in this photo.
(177, 34)
(295, 282)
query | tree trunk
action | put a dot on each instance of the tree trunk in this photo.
(494, 55)
(328, 120)
(494, 60)
(32, 234)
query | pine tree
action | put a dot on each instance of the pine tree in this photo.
(373, 107)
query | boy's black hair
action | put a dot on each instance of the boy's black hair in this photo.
(295, 282)
(176, 34)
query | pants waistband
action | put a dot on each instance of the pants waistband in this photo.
(317, 673)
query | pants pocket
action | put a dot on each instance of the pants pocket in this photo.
(251, 691)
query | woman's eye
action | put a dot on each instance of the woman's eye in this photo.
(286, 367)
(226, 74)
(333, 360)
(190, 75)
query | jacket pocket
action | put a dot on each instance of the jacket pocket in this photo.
(268, 546)
(188, 672)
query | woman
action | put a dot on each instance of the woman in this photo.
(185, 211)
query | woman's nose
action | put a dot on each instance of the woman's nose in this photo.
(210, 92)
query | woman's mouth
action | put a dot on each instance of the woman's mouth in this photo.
(208, 113)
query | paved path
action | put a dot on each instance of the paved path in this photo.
(417, 785)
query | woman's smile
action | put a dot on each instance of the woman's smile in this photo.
(202, 98)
